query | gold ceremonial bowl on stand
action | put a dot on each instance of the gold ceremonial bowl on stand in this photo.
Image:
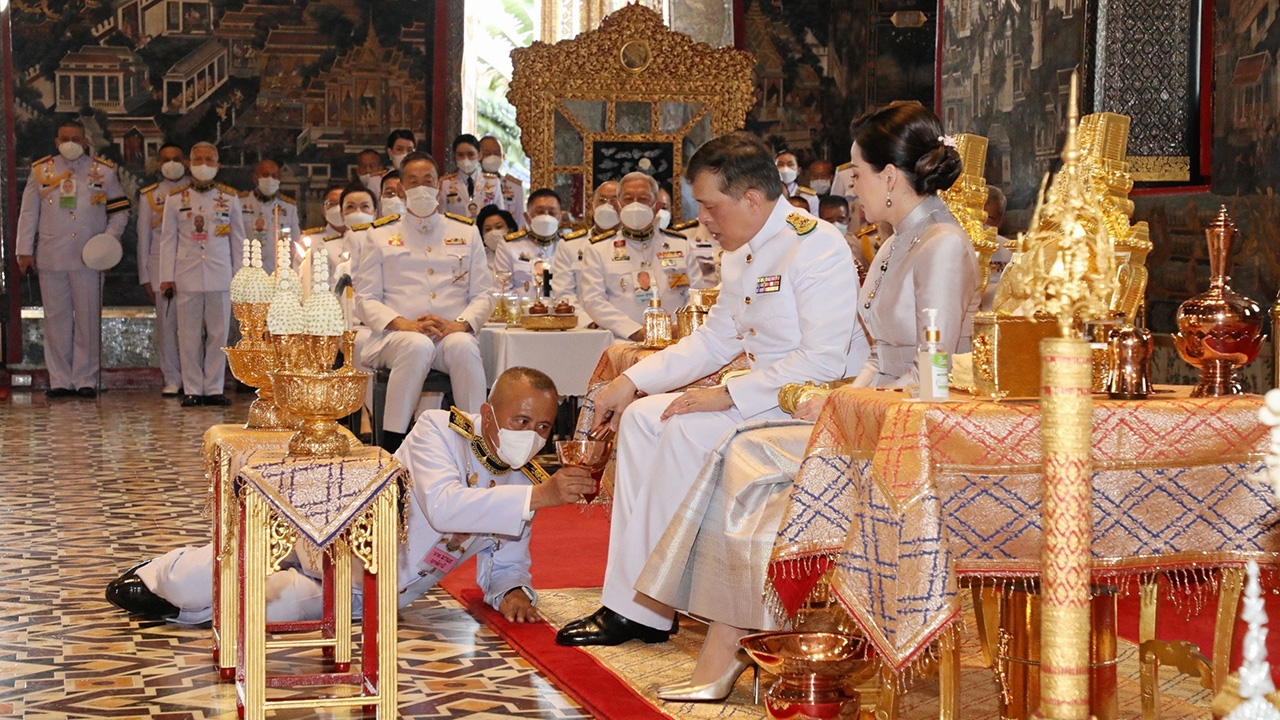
(320, 399)
(253, 367)
(817, 673)
(549, 322)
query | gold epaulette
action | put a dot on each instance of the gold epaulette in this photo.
(46, 158)
(287, 199)
(460, 218)
(490, 175)
(360, 228)
(226, 189)
(512, 237)
(671, 233)
(461, 423)
(385, 221)
(244, 193)
(844, 167)
(450, 176)
(115, 205)
(575, 234)
(686, 225)
(315, 230)
(180, 189)
(603, 236)
(148, 188)
(801, 223)
(805, 190)
(514, 179)
(104, 161)
(535, 473)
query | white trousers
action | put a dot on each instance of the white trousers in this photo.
(203, 319)
(657, 464)
(166, 337)
(410, 356)
(72, 318)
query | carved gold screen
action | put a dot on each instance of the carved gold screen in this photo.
(630, 95)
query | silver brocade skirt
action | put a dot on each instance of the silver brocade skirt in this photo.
(713, 558)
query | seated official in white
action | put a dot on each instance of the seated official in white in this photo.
(526, 258)
(475, 491)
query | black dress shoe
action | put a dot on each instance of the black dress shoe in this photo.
(192, 400)
(131, 595)
(59, 392)
(87, 392)
(221, 400)
(606, 627)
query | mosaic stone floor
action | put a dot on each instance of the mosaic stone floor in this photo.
(87, 490)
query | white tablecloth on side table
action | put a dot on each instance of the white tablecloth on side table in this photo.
(568, 356)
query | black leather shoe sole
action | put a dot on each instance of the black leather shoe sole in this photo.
(606, 627)
(192, 400)
(87, 393)
(130, 594)
(218, 400)
(59, 392)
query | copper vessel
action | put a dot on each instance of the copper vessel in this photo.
(1129, 363)
(817, 673)
(1219, 330)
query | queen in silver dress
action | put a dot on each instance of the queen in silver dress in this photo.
(713, 558)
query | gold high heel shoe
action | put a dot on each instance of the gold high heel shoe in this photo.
(717, 690)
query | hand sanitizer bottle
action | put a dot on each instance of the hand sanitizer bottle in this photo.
(933, 362)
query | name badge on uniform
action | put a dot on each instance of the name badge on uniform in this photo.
(768, 284)
(440, 560)
(644, 288)
(67, 194)
(199, 228)
(455, 241)
(460, 270)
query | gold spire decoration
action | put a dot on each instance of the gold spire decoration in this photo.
(967, 201)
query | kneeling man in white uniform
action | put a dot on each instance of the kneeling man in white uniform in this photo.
(788, 288)
(475, 491)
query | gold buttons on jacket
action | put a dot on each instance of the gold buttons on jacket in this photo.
(739, 336)
(748, 258)
(431, 271)
(433, 296)
(751, 357)
(746, 300)
(752, 331)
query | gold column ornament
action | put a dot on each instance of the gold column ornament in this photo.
(967, 200)
(1070, 273)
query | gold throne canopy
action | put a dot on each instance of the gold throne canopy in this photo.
(631, 95)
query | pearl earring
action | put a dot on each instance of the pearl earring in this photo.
(888, 199)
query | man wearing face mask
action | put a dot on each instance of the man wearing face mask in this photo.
(422, 286)
(566, 273)
(821, 174)
(663, 220)
(513, 200)
(531, 254)
(173, 171)
(358, 214)
(70, 197)
(260, 206)
(201, 239)
(469, 189)
(391, 201)
(617, 263)
(475, 490)
(788, 171)
(369, 171)
(399, 144)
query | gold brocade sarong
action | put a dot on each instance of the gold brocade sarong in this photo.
(714, 556)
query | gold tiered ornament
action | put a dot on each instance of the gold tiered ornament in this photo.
(253, 358)
(305, 381)
(967, 201)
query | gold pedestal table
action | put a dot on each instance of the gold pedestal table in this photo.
(345, 508)
(898, 502)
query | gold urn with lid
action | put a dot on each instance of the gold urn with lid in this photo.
(1219, 330)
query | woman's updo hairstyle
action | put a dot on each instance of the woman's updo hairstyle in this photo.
(908, 136)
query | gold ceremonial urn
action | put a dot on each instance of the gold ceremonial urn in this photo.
(817, 673)
(252, 360)
(319, 397)
(1219, 330)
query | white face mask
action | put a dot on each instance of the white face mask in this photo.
(545, 226)
(637, 216)
(421, 201)
(822, 186)
(664, 218)
(788, 175)
(466, 167)
(333, 216)
(517, 447)
(173, 170)
(71, 151)
(392, 206)
(204, 173)
(396, 159)
(491, 163)
(606, 218)
(493, 239)
(843, 228)
(268, 186)
(358, 218)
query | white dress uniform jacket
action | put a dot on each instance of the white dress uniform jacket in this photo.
(201, 241)
(809, 195)
(928, 263)
(784, 302)
(461, 505)
(706, 251)
(66, 203)
(842, 184)
(622, 271)
(151, 201)
(523, 256)
(487, 189)
(260, 222)
(409, 267)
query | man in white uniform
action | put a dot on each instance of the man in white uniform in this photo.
(201, 240)
(422, 287)
(789, 285)
(623, 270)
(475, 491)
(788, 170)
(531, 255)
(566, 274)
(69, 198)
(369, 171)
(259, 207)
(172, 162)
(513, 200)
(470, 188)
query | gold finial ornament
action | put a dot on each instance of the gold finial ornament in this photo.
(967, 201)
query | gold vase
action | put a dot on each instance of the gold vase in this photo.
(323, 351)
(818, 673)
(319, 399)
(1219, 331)
(348, 353)
(253, 366)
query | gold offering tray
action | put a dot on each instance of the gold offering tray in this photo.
(549, 321)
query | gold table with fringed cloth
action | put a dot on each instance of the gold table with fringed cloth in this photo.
(225, 449)
(614, 362)
(331, 510)
(898, 499)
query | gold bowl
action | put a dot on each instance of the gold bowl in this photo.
(253, 366)
(817, 673)
(549, 322)
(320, 399)
(253, 324)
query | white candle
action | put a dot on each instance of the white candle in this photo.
(305, 251)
